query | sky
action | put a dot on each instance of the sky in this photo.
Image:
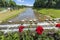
(25, 2)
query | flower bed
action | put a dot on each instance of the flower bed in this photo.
(38, 34)
(31, 35)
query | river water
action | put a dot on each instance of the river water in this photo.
(28, 14)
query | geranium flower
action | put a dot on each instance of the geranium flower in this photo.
(21, 28)
(39, 30)
(58, 25)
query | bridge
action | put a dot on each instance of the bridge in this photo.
(14, 27)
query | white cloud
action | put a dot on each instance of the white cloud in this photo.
(26, 4)
(20, 0)
(19, 3)
(29, 4)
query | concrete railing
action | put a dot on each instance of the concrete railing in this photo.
(14, 27)
(32, 29)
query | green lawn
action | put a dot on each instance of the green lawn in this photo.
(55, 13)
(2, 9)
(10, 14)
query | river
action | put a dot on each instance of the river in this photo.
(28, 14)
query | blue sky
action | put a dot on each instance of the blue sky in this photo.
(25, 2)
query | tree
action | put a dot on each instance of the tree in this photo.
(5, 3)
(12, 3)
(58, 3)
(1, 3)
(47, 4)
(39, 3)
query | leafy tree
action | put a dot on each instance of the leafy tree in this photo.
(47, 4)
(58, 3)
(12, 3)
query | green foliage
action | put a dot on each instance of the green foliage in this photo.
(4, 3)
(47, 4)
(12, 3)
(10, 36)
(28, 35)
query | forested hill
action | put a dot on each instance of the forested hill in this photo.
(47, 4)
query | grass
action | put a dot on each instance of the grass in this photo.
(55, 13)
(10, 14)
(2, 9)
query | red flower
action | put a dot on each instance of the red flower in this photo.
(58, 25)
(21, 28)
(39, 30)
